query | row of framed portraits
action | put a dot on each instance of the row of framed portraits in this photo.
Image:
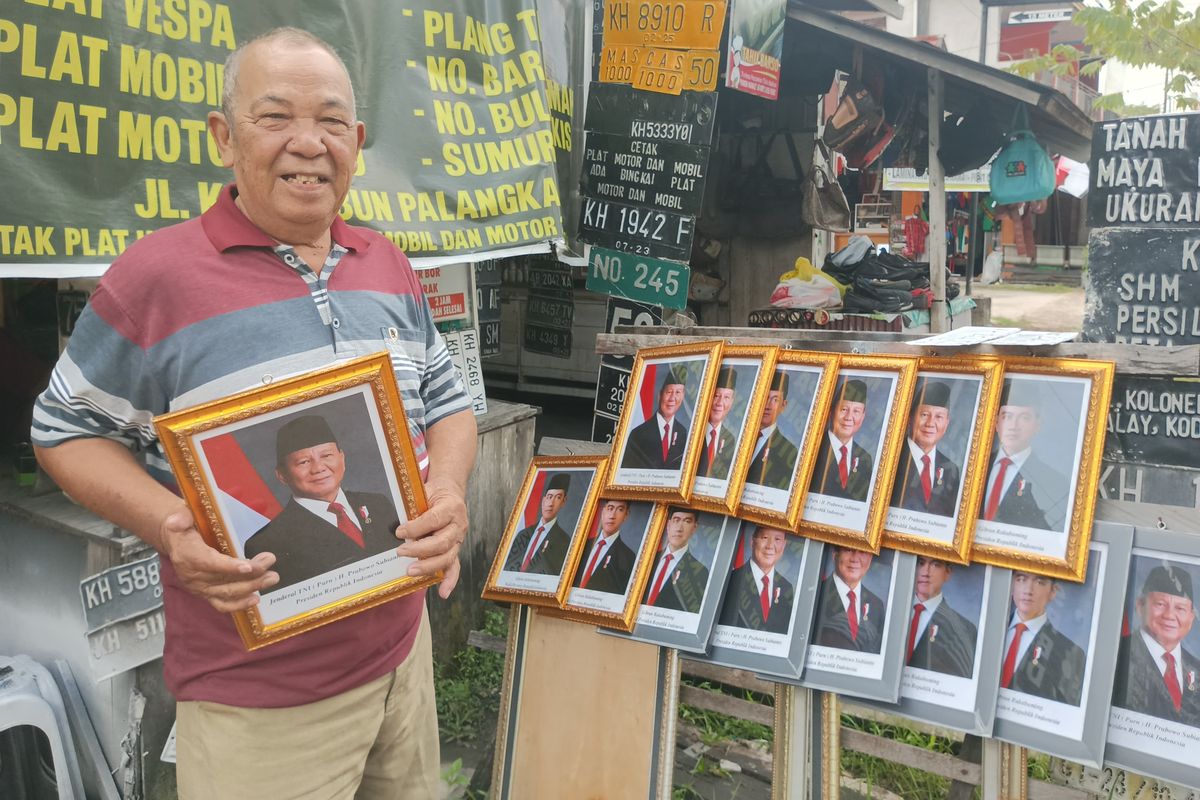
(972, 458)
(1074, 669)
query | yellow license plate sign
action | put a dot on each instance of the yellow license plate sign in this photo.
(659, 69)
(671, 23)
(618, 62)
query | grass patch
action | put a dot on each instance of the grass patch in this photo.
(717, 727)
(468, 688)
(905, 781)
(1004, 322)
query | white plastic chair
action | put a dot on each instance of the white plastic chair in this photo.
(29, 696)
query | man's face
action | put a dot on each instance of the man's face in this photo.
(931, 574)
(552, 502)
(722, 402)
(314, 473)
(670, 399)
(774, 406)
(1032, 593)
(612, 516)
(929, 426)
(768, 547)
(1166, 617)
(848, 418)
(852, 565)
(293, 139)
(680, 528)
(1015, 427)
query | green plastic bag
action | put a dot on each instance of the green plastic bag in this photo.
(1022, 172)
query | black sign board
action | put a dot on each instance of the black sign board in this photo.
(622, 311)
(1144, 286)
(487, 302)
(662, 175)
(1148, 483)
(551, 279)
(487, 273)
(1145, 172)
(624, 111)
(610, 388)
(604, 428)
(636, 229)
(549, 310)
(1154, 421)
(489, 339)
(547, 341)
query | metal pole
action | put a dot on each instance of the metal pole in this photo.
(937, 207)
(983, 32)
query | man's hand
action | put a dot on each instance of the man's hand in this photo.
(434, 537)
(228, 584)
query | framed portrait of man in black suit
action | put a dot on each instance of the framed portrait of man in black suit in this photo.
(1155, 717)
(1060, 650)
(1040, 485)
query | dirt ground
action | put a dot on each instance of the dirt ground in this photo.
(1034, 308)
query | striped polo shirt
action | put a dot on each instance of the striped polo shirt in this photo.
(214, 306)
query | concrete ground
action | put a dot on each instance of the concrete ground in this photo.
(1034, 308)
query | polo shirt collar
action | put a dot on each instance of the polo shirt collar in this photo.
(227, 227)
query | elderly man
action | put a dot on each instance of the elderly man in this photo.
(608, 562)
(717, 449)
(542, 547)
(1022, 489)
(928, 478)
(844, 466)
(758, 597)
(1156, 675)
(660, 442)
(939, 638)
(775, 455)
(323, 526)
(268, 282)
(849, 616)
(679, 578)
(1038, 658)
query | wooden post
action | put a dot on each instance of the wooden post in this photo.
(937, 207)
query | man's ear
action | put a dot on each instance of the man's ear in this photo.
(279, 477)
(219, 128)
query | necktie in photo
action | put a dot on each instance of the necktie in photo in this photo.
(993, 503)
(1010, 658)
(926, 478)
(1172, 682)
(587, 576)
(844, 468)
(533, 546)
(662, 574)
(666, 440)
(762, 451)
(764, 598)
(712, 450)
(345, 525)
(918, 610)
(852, 613)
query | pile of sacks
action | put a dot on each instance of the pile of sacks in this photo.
(882, 281)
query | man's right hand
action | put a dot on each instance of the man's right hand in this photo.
(228, 583)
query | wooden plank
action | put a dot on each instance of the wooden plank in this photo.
(727, 704)
(554, 446)
(1148, 515)
(941, 764)
(727, 675)
(895, 720)
(1039, 790)
(486, 641)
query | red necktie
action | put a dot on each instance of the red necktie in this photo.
(852, 612)
(918, 610)
(712, 449)
(1172, 682)
(587, 576)
(345, 525)
(843, 468)
(662, 574)
(666, 441)
(993, 502)
(764, 598)
(533, 546)
(1010, 658)
(926, 482)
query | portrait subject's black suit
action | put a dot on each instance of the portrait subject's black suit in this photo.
(726, 444)
(947, 644)
(1139, 684)
(908, 493)
(832, 626)
(742, 607)
(1058, 672)
(1036, 496)
(548, 560)
(644, 449)
(684, 588)
(825, 479)
(774, 465)
(305, 545)
(612, 572)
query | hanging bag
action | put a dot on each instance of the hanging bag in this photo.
(1022, 172)
(823, 204)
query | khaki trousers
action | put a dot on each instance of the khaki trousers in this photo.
(376, 742)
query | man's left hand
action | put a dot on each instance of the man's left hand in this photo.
(434, 537)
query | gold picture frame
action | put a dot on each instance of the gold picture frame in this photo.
(646, 463)
(773, 491)
(535, 567)
(971, 387)
(228, 458)
(1039, 518)
(848, 509)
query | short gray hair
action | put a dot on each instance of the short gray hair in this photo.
(295, 37)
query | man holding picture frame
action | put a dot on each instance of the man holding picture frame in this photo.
(163, 331)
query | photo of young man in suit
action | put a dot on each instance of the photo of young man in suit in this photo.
(719, 445)
(849, 616)
(608, 561)
(844, 467)
(542, 547)
(1022, 489)
(660, 441)
(774, 461)
(928, 478)
(939, 638)
(1155, 674)
(679, 578)
(323, 526)
(1038, 659)
(758, 597)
